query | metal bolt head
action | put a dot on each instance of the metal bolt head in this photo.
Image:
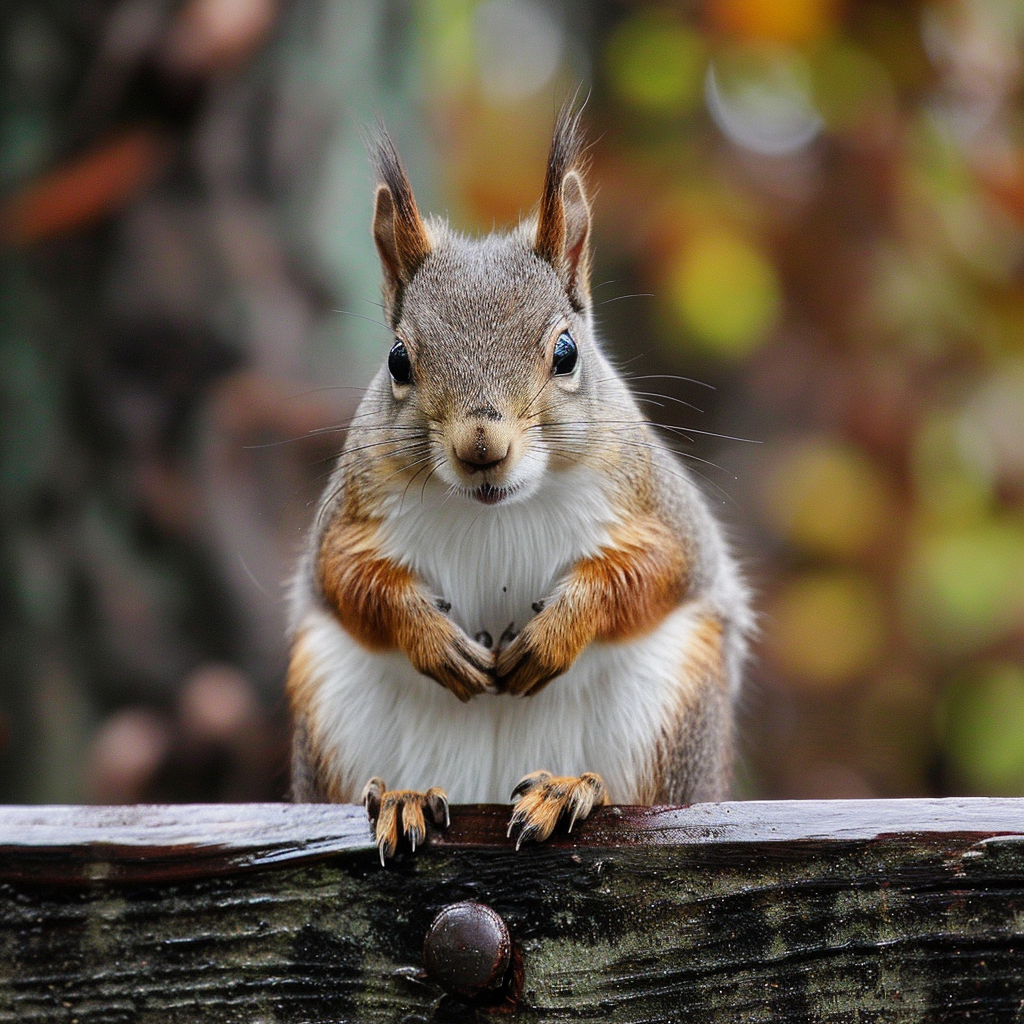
(467, 949)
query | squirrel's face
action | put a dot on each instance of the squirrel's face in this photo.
(489, 366)
(492, 368)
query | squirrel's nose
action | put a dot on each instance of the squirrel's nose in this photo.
(481, 450)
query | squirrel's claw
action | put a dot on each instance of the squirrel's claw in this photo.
(521, 669)
(397, 813)
(544, 798)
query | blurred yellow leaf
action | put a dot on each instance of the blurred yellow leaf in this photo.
(825, 629)
(656, 64)
(982, 720)
(828, 498)
(724, 288)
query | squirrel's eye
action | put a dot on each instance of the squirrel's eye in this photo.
(399, 364)
(565, 354)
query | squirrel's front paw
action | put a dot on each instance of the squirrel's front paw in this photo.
(445, 653)
(397, 812)
(530, 661)
(544, 798)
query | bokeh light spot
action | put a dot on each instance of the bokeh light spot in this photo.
(983, 725)
(825, 629)
(761, 99)
(965, 588)
(656, 65)
(828, 498)
(519, 48)
(725, 290)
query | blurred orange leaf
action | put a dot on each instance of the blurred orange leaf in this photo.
(793, 22)
(85, 189)
(1007, 188)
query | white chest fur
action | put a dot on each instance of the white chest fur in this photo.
(493, 563)
(378, 716)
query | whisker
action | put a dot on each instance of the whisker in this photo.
(587, 458)
(619, 298)
(540, 391)
(667, 398)
(369, 319)
(411, 450)
(425, 462)
(662, 426)
(669, 376)
(651, 445)
(326, 387)
(323, 431)
(426, 480)
(410, 447)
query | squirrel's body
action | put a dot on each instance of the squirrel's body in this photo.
(503, 521)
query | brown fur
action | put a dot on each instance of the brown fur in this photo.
(563, 221)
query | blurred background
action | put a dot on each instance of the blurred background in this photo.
(814, 208)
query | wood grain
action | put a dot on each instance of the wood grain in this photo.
(820, 911)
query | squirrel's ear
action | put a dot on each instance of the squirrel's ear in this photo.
(563, 225)
(401, 237)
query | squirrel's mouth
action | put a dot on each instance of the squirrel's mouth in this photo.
(490, 495)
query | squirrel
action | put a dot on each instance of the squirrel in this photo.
(506, 570)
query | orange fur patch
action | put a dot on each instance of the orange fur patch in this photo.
(364, 590)
(637, 582)
(383, 605)
(622, 593)
(705, 652)
(300, 685)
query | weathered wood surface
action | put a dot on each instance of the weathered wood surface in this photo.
(811, 911)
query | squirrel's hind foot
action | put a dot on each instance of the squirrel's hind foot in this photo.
(544, 798)
(397, 812)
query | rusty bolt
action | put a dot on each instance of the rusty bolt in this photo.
(467, 949)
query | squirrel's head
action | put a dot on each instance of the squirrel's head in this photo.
(491, 373)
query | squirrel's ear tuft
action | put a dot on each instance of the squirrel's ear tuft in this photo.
(401, 238)
(563, 225)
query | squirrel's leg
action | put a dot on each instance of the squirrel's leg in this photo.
(402, 812)
(385, 606)
(694, 755)
(543, 799)
(622, 592)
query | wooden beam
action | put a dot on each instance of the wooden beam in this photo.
(907, 910)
